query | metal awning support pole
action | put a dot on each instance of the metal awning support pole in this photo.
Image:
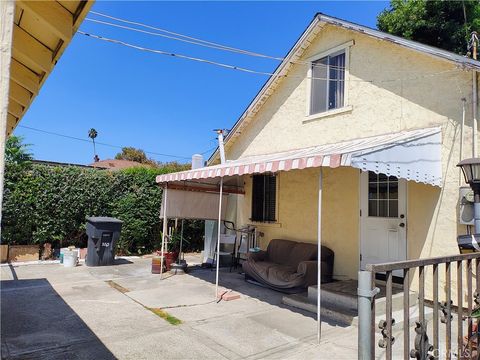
(181, 245)
(319, 257)
(164, 231)
(218, 235)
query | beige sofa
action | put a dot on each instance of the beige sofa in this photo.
(288, 266)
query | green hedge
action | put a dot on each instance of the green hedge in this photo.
(50, 204)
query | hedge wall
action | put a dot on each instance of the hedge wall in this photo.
(50, 204)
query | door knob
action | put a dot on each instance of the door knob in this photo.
(401, 224)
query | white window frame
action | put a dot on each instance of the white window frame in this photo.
(345, 47)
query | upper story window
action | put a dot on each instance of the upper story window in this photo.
(328, 83)
(264, 198)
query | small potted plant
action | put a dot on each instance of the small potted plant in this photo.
(172, 249)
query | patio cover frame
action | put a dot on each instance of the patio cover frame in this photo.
(411, 155)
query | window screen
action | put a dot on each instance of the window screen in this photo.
(264, 195)
(328, 83)
(382, 195)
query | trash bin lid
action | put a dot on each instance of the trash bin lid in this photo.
(103, 219)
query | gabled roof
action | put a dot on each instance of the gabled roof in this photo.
(304, 41)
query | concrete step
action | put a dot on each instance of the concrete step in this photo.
(345, 316)
(398, 316)
(301, 301)
(397, 302)
(335, 298)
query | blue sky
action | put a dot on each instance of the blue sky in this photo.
(163, 104)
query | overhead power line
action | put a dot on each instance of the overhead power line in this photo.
(191, 38)
(161, 52)
(101, 143)
(196, 41)
(247, 70)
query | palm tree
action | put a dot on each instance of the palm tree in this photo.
(92, 134)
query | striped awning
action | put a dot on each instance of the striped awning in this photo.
(412, 155)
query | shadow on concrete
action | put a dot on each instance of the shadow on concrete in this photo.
(235, 281)
(117, 261)
(37, 324)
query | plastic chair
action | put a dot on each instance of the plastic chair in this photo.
(227, 240)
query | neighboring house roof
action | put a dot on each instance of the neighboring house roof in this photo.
(56, 163)
(115, 164)
(302, 44)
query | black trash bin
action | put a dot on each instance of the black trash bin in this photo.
(103, 234)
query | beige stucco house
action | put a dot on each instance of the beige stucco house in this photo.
(346, 94)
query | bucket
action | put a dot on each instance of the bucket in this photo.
(156, 264)
(62, 251)
(70, 258)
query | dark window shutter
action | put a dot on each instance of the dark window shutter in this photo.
(264, 189)
(270, 197)
(257, 197)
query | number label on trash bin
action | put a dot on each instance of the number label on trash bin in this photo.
(105, 244)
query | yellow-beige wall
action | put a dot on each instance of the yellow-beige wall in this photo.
(390, 89)
(297, 213)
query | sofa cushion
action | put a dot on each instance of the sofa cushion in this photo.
(301, 252)
(283, 274)
(272, 273)
(262, 267)
(278, 250)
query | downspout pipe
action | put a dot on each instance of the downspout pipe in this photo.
(474, 97)
(474, 111)
(462, 138)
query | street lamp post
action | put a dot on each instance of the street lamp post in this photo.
(471, 171)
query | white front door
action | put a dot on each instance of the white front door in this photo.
(383, 219)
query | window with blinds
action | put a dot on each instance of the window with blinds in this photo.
(264, 198)
(327, 83)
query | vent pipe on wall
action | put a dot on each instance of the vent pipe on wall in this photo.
(221, 148)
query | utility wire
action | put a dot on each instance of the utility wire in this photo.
(247, 70)
(195, 42)
(101, 143)
(211, 45)
(161, 52)
(209, 150)
(201, 42)
(193, 39)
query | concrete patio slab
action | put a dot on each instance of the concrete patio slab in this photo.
(49, 311)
